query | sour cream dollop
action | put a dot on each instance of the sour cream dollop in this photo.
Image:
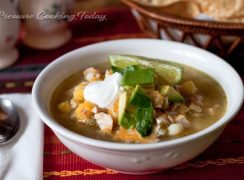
(104, 93)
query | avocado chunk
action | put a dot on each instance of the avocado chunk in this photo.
(173, 95)
(139, 98)
(135, 74)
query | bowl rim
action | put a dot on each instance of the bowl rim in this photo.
(60, 130)
(183, 21)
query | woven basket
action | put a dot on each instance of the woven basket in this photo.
(219, 37)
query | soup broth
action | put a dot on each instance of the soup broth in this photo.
(210, 96)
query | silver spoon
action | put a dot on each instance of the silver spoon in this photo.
(9, 121)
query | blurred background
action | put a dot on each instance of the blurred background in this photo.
(28, 44)
(95, 4)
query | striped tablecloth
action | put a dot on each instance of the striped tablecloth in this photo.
(223, 160)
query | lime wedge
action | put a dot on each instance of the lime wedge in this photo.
(122, 61)
(169, 73)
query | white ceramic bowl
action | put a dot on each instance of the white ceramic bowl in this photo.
(137, 158)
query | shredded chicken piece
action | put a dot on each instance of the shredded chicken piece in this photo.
(212, 110)
(171, 113)
(157, 99)
(158, 131)
(216, 106)
(195, 108)
(104, 121)
(92, 74)
(197, 99)
(183, 121)
(170, 119)
(162, 119)
(162, 132)
(183, 109)
(196, 115)
(175, 129)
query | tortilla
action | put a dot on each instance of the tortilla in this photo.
(219, 10)
(190, 10)
(157, 2)
(222, 9)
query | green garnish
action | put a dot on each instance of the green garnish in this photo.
(144, 121)
(173, 95)
(139, 98)
(128, 120)
(133, 75)
(168, 72)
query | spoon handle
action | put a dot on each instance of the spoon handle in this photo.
(5, 162)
